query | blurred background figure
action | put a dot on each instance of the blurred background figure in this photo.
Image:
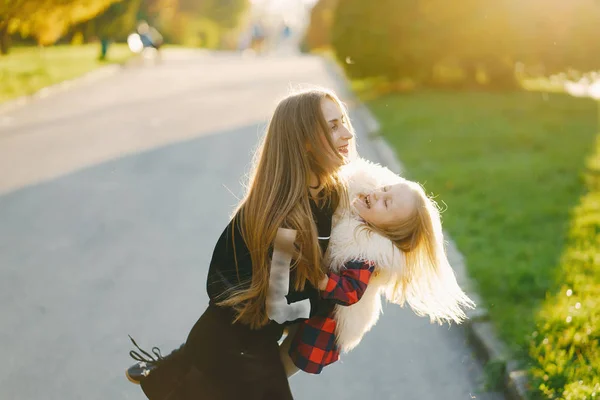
(287, 39)
(258, 38)
(151, 40)
(286, 32)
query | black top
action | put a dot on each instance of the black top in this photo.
(222, 273)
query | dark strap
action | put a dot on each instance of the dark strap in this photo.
(149, 359)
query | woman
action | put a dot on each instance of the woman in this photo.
(232, 350)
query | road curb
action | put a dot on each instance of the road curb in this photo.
(94, 75)
(479, 330)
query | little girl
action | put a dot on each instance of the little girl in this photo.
(389, 241)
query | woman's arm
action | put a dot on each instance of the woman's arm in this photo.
(347, 287)
(284, 352)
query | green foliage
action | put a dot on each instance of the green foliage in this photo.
(47, 20)
(159, 13)
(561, 36)
(318, 34)
(201, 23)
(507, 169)
(494, 375)
(225, 13)
(565, 347)
(194, 31)
(383, 38)
(117, 21)
(484, 38)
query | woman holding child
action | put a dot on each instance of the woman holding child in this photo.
(268, 271)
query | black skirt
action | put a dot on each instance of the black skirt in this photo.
(222, 361)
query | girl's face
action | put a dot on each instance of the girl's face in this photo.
(338, 126)
(386, 206)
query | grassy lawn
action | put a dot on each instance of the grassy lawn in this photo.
(28, 69)
(565, 348)
(509, 170)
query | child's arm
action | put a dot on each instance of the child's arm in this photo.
(347, 287)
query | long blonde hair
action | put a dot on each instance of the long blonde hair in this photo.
(427, 282)
(297, 143)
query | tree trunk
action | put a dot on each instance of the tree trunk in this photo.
(469, 66)
(4, 40)
(501, 75)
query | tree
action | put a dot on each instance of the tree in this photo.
(45, 20)
(561, 35)
(318, 34)
(411, 39)
(160, 13)
(226, 13)
(476, 35)
(118, 20)
(114, 23)
(384, 38)
(10, 13)
(204, 22)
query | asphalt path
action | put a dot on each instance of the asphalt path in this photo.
(112, 196)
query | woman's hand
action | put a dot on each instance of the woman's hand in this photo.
(323, 282)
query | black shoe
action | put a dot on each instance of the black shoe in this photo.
(137, 372)
(140, 370)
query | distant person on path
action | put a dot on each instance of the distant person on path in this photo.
(259, 38)
(388, 242)
(150, 37)
(267, 265)
(286, 32)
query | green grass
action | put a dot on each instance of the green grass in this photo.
(565, 347)
(26, 70)
(509, 168)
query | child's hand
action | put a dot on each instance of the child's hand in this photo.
(323, 282)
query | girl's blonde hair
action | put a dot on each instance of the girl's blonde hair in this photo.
(427, 282)
(297, 143)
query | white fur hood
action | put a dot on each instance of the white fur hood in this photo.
(433, 291)
(349, 242)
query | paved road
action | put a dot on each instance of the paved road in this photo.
(112, 195)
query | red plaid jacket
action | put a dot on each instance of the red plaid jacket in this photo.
(313, 346)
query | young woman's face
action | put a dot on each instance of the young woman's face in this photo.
(386, 206)
(338, 126)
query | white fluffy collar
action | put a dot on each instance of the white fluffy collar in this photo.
(350, 241)
(349, 237)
